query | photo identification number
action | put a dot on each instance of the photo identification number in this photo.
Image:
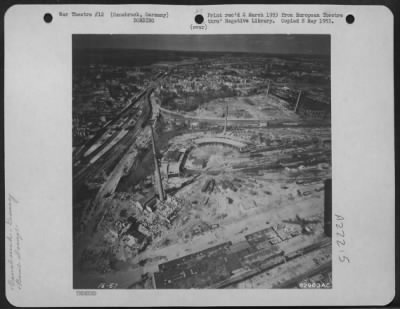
(341, 239)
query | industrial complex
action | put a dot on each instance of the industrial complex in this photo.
(203, 171)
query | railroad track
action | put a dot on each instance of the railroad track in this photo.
(115, 152)
(285, 258)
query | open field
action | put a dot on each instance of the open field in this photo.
(258, 107)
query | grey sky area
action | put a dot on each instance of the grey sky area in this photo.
(265, 43)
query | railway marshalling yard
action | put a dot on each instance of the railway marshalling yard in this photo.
(243, 205)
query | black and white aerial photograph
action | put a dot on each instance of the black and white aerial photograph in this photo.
(201, 161)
